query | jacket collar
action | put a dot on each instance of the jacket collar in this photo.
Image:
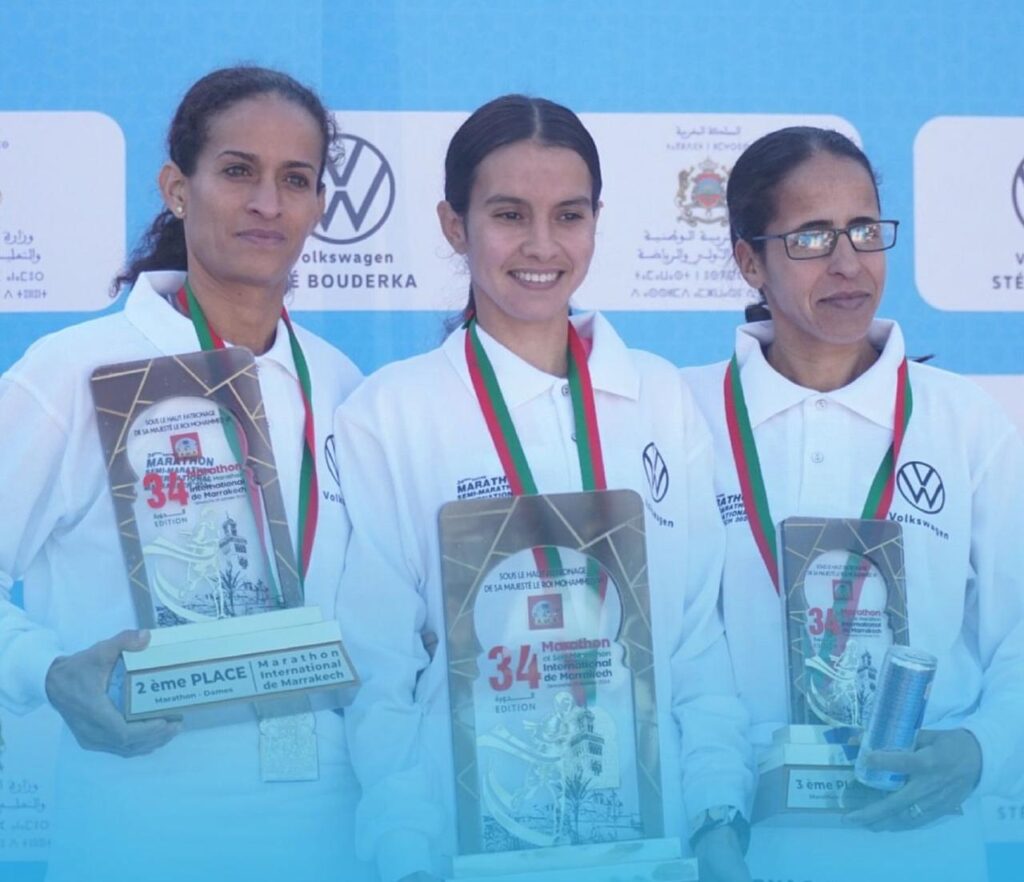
(768, 393)
(149, 309)
(611, 366)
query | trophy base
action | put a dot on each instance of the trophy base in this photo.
(806, 777)
(274, 659)
(641, 860)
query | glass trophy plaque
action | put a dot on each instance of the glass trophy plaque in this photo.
(551, 683)
(844, 597)
(206, 543)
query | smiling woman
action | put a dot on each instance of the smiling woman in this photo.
(525, 399)
(528, 236)
(242, 191)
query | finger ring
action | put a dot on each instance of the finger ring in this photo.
(915, 811)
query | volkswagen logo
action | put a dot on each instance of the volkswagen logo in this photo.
(331, 458)
(656, 471)
(1018, 191)
(922, 487)
(359, 193)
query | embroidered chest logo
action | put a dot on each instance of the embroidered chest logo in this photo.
(331, 461)
(656, 471)
(331, 458)
(921, 485)
(482, 487)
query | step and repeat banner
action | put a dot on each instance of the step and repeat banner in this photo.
(664, 235)
(672, 92)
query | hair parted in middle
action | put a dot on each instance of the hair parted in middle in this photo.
(506, 120)
(762, 167)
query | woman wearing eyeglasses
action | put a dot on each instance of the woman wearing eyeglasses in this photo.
(803, 417)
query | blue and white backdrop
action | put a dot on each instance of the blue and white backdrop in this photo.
(672, 90)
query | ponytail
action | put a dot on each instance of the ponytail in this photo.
(162, 247)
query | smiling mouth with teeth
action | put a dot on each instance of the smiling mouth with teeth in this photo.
(536, 278)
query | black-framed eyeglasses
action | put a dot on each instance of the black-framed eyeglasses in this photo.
(877, 235)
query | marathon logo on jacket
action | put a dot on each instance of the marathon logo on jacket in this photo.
(482, 487)
(331, 461)
(730, 508)
(921, 486)
(656, 472)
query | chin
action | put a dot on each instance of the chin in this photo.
(538, 314)
(846, 336)
(846, 329)
(259, 280)
(546, 318)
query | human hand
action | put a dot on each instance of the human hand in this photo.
(720, 856)
(942, 772)
(77, 688)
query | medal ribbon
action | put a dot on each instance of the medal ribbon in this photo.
(755, 497)
(748, 464)
(308, 485)
(503, 431)
(510, 449)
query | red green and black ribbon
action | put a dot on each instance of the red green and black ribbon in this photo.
(308, 486)
(755, 497)
(510, 449)
(503, 431)
(748, 464)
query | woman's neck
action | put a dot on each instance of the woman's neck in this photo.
(541, 344)
(243, 315)
(826, 367)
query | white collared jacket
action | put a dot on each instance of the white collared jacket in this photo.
(59, 535)
(413, 438)
(958, 497)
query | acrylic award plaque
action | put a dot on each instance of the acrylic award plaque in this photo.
(206, 543)
(551, 683)
(845, 603)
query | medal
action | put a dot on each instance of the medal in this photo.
(513, 458)
(288, 748)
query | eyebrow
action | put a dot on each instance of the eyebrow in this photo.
(516, 200)
(829, 224)
(253, 158)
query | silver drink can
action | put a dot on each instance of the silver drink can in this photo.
(896, 712)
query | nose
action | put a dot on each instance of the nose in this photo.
(844, 260)
(264, 198)
(541, 243)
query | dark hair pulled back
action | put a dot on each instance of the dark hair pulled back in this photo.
(162, 246)
(763, 166)
(508, 120)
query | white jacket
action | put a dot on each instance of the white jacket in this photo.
(58, 534)
(412, 438)
(958, 498)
